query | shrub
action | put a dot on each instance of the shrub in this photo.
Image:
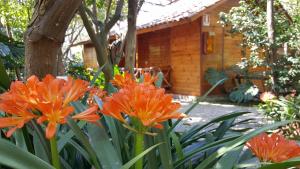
(78, 71)
(243, 93)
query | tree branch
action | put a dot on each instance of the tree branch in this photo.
(116, 16)
(141, 2)
(95, 21)
(72, 40)
(88, 26)
(107, 11)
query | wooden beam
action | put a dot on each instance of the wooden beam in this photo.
(162, 26)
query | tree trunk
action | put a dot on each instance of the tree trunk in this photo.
(101, 46)
(45, 35)
(60, 69)
(130, 49)
(271, 29)
(271, 39)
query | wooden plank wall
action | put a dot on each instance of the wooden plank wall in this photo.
(185, 58)
(178, 47)
(90, 57)
(154, 49)
(231, 52)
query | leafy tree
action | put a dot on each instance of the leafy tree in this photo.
(14, 16)
(249, 19)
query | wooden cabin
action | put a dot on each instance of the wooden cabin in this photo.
(184, 39)
(189, 40)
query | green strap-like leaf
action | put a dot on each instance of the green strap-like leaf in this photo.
(164, 149)
(20, 141)
(135, 159)
(17, 158)
(196, 103)
(85, 142)
(177, 145)
(283, 165)
(229, 160)
(188, 134)
(103, 147)
(39, 148)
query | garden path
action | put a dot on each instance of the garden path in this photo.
(206, 111)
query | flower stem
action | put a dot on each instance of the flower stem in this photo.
(54, 153)
(139, 148)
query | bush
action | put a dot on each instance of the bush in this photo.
(243, 93)
(283, 108)
(78, 71)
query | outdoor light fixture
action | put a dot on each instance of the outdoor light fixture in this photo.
(206, 20)
(208, 42)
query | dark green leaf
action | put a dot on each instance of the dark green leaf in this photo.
(17, 158)
(135, 159)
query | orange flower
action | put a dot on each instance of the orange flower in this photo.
(149, 105)
(49, 90)
(55, 95)
(74, 89)
(21, 92)
(17, 103)
(95, 91)
(19, 115)
(149, 79)
(274, 148)
(123, 80)
(50, 96)
(88, 115)
(266, 96)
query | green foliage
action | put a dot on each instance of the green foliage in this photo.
(15, 157)
(5, 81)
(15, 15)
(213, 76)
(284, 108)
(244, 93)
(80, 72)
(249, 19)
(12, 54)
(289, 74)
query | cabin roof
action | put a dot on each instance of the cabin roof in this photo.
(154, 13)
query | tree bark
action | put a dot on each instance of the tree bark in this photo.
(271, 29)
(271, 40)
(101, 44)
(130, 49)
(59, 63)
(45, 35)
(100, 40)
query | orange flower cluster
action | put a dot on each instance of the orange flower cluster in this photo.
(143, 101)
(51, 97)
(126, 80)
(123, 80)
(274, 148)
